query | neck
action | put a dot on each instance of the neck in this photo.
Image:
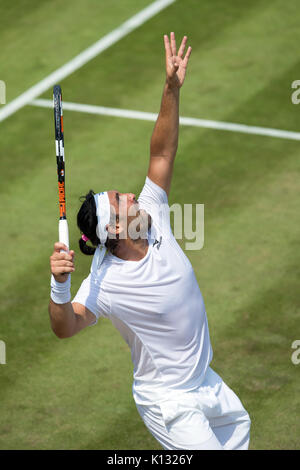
(132, 250)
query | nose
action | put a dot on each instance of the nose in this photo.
(131, 196)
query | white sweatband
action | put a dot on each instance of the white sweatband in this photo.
(60, 291)
(103, 215)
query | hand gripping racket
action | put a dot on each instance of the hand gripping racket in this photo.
(63, 230)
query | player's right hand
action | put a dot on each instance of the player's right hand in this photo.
(176, 61)
(61, 263)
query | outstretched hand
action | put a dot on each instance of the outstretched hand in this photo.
(176, 63)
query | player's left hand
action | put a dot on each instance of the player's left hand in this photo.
(176, 63)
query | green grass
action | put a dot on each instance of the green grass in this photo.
(40, 36)
(76, 393)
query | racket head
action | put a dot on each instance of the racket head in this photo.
(58, 114)
(59, 147)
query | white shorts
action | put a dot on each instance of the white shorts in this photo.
(208, 418)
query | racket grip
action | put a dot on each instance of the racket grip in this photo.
(63, 232)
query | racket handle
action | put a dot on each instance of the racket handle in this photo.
(63, 232)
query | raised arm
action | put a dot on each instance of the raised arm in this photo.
(164, 140)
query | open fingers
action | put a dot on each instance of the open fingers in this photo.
(167, 46)
(187, 56)
(170, 47)
(182, 47)
(173, 44)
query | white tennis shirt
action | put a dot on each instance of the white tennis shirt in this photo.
(157, 306)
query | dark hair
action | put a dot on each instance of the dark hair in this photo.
(87, 224)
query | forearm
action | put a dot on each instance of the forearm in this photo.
(164, 140)
(62, 319)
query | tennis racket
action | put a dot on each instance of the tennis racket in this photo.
(63, 230)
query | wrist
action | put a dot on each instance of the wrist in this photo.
(172, 85)
(60, 291)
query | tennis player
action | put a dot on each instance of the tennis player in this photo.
(142, 281)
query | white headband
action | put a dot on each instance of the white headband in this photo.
(103, 217)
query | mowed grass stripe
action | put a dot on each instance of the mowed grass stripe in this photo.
(146, 73)
(84, 57)
(242, 63)
(45, 24)
(222, 73)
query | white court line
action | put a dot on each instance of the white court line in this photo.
(85, 56)
(185, 121)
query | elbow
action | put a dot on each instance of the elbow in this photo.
(60, 334)
(61, 329)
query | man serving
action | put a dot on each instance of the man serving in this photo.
(143, 282)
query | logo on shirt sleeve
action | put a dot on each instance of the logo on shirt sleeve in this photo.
(158, 243)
